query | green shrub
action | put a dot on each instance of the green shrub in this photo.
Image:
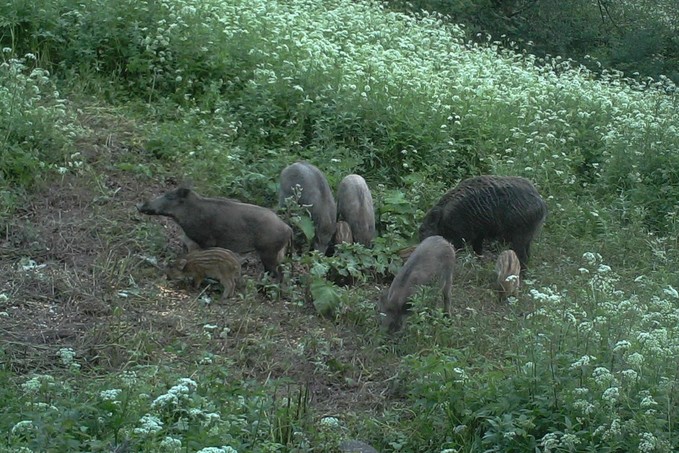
(35, 127)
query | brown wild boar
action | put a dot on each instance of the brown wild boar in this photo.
(355, 206)
(226, 223)
(433, 259)
(316, 196)
(215, 262)
(507, 270)
(405, 252)
(343, 233)
(507, 208)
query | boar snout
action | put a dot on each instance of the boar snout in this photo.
(146, 208)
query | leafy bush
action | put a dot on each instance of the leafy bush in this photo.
(589, 368)
(35, 127)
(151, 409)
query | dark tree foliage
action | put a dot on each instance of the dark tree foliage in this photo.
(634, 36)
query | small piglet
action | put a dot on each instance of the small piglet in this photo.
(432, 260)
(218, 263)
(507, 270)
(343, 233)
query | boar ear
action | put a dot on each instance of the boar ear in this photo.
(181, 264)
(183, 192)
(435, 215)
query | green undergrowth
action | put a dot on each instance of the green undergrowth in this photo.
(223, 95)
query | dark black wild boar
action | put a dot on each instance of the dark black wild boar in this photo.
(315, 196)
(226, 223)
(507, 208)
(355, 206)
(432, 260)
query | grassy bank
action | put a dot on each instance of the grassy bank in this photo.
(105, 103)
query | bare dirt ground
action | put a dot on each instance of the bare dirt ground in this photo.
(80, 268)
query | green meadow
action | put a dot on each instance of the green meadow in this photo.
(106, 103)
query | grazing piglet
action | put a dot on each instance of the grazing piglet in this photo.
(355, 206)
(216, 262)
(508, 208)
(433, 259)
(343, 233)
(226, 223)
(507, 269)
(316, 196)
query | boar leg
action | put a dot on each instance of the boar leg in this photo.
(522, 249)
(270, 262)
(189, 244)
(229, 287)
(477, 245)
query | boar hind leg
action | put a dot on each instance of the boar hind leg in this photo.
(522, 249)
(232, 286)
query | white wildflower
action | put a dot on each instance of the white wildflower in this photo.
(67, 356)
(23, 427)
(611, 395)
(630, 375)
(150, 424)
(129, 378)
(614, 430)
(648, 442)
(330, 422)
(171, 444)
(648, 402)
(461, 375)
(110, 395)
(602, 376)
(570, 440)
(225, 449)
(173, 396)
(582, 362)
(584, 406)
(622, 345)
(603, 268)
(36, 382)
(635, 359)
(590, 257)
(670, 291)
(550, 441)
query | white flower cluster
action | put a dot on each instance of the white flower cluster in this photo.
(175, 395)
(110, 395)
(150, 424)
(34, 384)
